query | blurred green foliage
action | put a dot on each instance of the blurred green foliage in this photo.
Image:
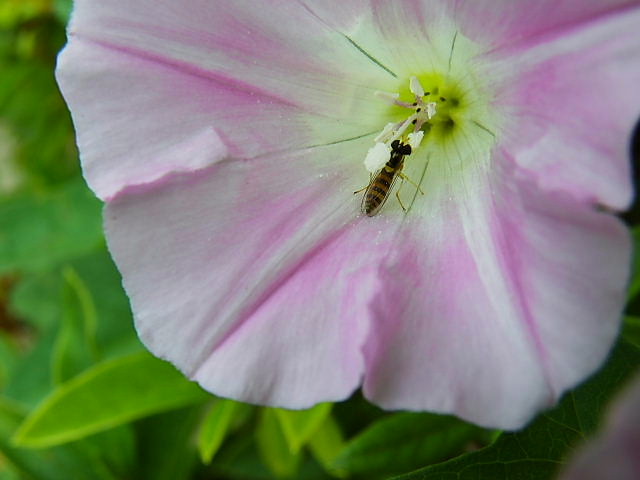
(81, 399)
(31, 34)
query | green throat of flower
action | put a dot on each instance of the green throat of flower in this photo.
(449, 105)
(447, 118)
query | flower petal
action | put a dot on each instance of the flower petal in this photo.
(500, 298)
(287, 53)
(249, 277)
(135, 126)
(174, 114)
(170, 121)
(499, 23)
(342, 15)
(408, 37)
(571, 102)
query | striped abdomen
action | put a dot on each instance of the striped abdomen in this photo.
(379, 188)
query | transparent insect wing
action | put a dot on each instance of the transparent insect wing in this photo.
(375, 181)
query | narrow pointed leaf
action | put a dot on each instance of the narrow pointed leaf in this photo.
(75, 348)
(273, 447)
(299, 425)
(215, 426)
(98, 458)
(326, 444)
(111, 393)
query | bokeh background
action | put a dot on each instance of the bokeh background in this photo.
(81, 399)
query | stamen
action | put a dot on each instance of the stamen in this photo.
(386, 133)
(416, 87)
(415, 138)
(423, 112)
(404, 126)
(391, 98)
(430, 109)
(387, 97)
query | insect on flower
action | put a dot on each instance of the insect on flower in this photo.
(393, 142)
(500, 289)
(382, 182)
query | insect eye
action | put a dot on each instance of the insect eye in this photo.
(395, 144)
(406, 150)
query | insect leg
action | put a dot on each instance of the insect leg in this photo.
(364, 188)
(398, 194)
(404, 177)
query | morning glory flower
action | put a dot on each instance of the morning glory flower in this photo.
(227, 139)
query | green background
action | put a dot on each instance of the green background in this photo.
(81, 399)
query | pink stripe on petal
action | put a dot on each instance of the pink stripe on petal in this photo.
(251, 277)
(504, 23)
(574, 104)
(138, 119)
(307, 62)
(496, 303)
(301, 343)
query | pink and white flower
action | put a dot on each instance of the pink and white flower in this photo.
(227, 139)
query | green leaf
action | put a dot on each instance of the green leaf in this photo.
(39, 232)
(85, 460)
(31, 104)
(239, 458)
(539, 451)
(7, 474)
(215, 426)
(326, 444)
(76, 347)
(167, 444)
(115, 333)
(631, 330)
(62, 9)
(111, 393)
(8, 357)
(30, 379)
(405, 441)
(116, 449)
(634, 286)
(273, 447)
(37, 299)
(298, 426)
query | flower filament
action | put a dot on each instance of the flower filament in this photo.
(428, 107)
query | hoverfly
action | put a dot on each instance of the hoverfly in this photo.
(381, 184)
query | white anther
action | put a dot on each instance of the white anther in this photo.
(416, 87)
(386, 133)
(377, 157)
(415, 138)
(391, 98)
(430, 109)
